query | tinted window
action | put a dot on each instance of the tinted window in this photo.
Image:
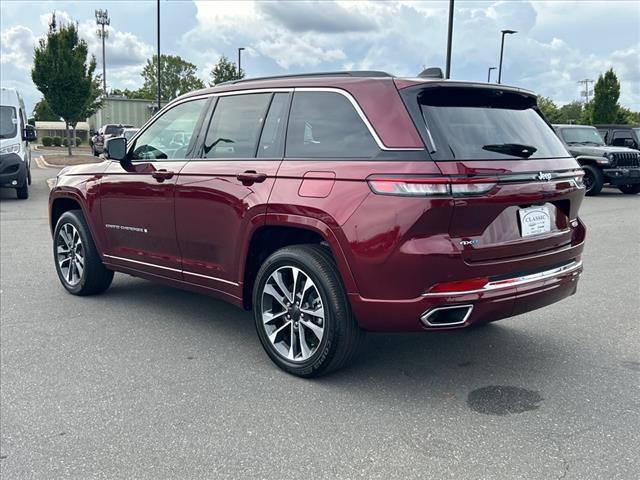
(619, 138)
(581, 136)
(325, 125)
(8, 122)
(168, 137)
(112, 130)
(487, 124)
(235, 126)
(272, 138)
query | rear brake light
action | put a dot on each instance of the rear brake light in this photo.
(460, 285)
(420, 186)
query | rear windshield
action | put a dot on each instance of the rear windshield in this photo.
(8, 122)
(581, 136)
(112, 130)
(487, 124)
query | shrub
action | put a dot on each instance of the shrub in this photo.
(57, 141)
(78, 141)
(47, 141)
(65, 142)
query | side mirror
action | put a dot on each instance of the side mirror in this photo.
(116, 148)
(628, 142)
(29, 134)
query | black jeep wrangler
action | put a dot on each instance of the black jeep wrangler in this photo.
(620, 135)
(618, 166)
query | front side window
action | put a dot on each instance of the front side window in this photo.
(620, 137)
(236, 125)
(326, 125)
(8, 122)
(581, 136)
(168, 137)
(487, 124)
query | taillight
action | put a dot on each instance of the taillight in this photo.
(421, 186)
(460, 285)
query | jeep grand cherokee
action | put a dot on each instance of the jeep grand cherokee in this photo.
(332, 204)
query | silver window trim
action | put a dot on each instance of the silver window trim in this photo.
(339, 91)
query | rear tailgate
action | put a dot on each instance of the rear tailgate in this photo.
(490, 227)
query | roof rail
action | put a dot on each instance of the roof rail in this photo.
(353, 73)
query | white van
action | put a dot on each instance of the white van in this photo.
(15, 135)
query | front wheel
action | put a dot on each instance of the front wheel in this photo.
(78, 263)
(302, 314)
(593, 180)
(630, 189)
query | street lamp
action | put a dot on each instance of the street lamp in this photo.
(240, 49)
(103, 20)
(504, 32)
(489, 73)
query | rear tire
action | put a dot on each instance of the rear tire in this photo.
(318, 321)
(630, 189)
(23, 192)
(77, 261)
(593, 180)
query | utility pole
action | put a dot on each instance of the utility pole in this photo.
(449, 41)
(489, 73)
(504, 32)
(586, 93)
(103, 20)
(158, 63)
(240, 49)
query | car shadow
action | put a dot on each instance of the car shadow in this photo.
(432, 365)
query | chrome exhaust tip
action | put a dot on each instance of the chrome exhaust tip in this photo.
(446, 316)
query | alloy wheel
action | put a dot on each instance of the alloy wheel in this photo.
(292, 313)
(70, 254)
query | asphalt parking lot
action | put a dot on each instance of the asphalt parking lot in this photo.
(146, 381)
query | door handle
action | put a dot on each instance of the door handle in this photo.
(250, 177)
(162, 175)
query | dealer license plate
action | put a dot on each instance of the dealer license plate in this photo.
(534, 221)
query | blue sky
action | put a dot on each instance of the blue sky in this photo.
(557, 44)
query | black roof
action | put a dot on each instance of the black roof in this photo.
(616, 125)
(352, 73)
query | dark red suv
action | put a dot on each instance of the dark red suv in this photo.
(331, 204)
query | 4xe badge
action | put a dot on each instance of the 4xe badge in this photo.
(543, 176)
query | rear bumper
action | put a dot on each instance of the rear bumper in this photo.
(499, 299)
(12, 169)
(622, 175)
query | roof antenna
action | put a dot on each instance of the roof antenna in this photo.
(433, 72)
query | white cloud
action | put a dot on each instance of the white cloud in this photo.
(16, 47)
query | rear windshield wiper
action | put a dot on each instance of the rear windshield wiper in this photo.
(516, 149)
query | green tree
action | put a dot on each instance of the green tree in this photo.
(571, 112)
(587, 113)
(549, 108)
(64, 75)
(177, 76)
(628, 116)
(126, 93)
(42, 112)
(605, 99)
(224, 71)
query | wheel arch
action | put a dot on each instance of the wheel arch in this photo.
(61, 202)
(281, 232)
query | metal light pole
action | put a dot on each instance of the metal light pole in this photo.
(158, 62)
(102, 19)
(504, 32)
(449, 41)
(240, 49)
(489, 73)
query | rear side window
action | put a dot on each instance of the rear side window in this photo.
(619, 138)
(236, 125)
(487, 124)
(325, 125)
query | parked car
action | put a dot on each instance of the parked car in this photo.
(105, 132)
(620, 135)
(602, 164)
(331, 204)
(15, 151)
(128, 133)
